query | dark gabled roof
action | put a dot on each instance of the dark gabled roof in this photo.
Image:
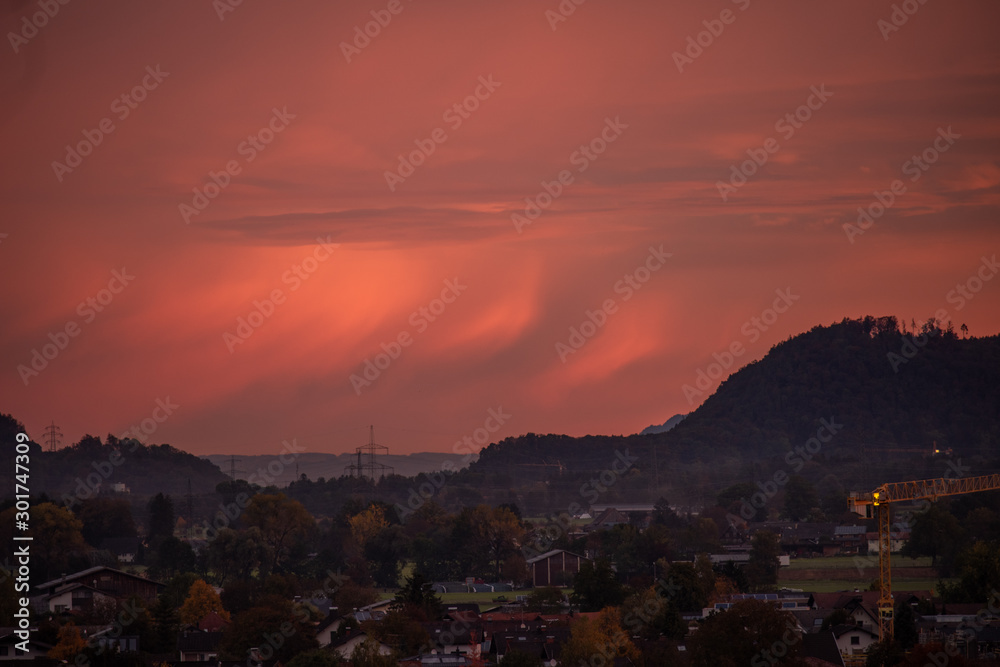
(550, 554)
(534, 648)
(807, 618)
(823, 646)
(610, 515)
(331, 618)
(72, 587)
(841, 630)
(70, 578)
(547, 641)
(7, 637)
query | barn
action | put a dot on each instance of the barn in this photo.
(554, 568)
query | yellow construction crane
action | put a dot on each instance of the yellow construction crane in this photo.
(895, 492)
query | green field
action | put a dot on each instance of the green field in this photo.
(848, 562)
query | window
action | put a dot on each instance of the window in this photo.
(855, 640)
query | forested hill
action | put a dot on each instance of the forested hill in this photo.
(887, 388)
(79, 468)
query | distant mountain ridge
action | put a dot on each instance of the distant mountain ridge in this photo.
(891, 390)
(664, 427)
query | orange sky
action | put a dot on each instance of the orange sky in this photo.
(327, 131)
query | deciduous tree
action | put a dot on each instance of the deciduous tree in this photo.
(71, 643)
(281, 521)
(602, 639)
(762, 568)
(750, 632)
(595, 586)
(417, 598)
(201, 601)
(161, 517)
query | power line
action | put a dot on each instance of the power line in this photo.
(53, 435)
(367, 465)
(232, 467)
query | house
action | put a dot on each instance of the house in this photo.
(854, 640)
(802, 538)
(535, 644)
(345, 645)
(986, 639)
(861, 607)
(74, 597)
(821, 650)
(851, 539)
(609, 518)
(811, 620)
(9, 650)
(78, 591)
(785, 601)
(896, 542)
(554, 568)
(461, 635)
(199, 646)
(327, 629)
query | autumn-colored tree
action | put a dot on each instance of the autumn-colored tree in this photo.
(281, 521)
(367, 524)
(498, 532)
(71, 643)
(201, 601)
(601, 637)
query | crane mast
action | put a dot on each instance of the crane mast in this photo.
(879, 502)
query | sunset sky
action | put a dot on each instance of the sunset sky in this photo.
(641, 123)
